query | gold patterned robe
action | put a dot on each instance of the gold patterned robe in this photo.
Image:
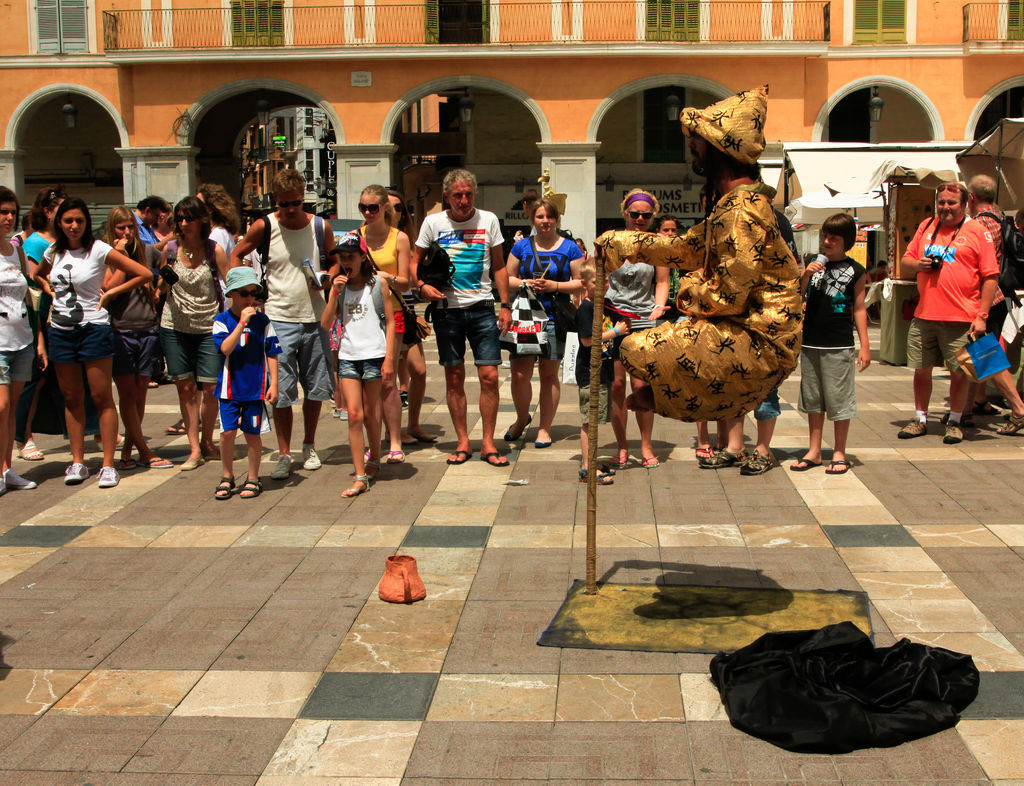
(742, 294)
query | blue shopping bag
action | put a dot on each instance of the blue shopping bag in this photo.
(982, 358)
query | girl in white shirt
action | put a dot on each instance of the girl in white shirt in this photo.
(366, 353)
(81, 336)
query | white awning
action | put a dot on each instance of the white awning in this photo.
(1000, 154)
(815, 207)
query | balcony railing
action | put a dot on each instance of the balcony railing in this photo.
(268, 23)
(1001, 22)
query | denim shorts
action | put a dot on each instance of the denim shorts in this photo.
(364, 370)
(552, 349)
(16, 364)
(769, 409)
(190, 355)
(305, 353)
(453, 326)
(81, 344)
(245, 414)
(136, 352)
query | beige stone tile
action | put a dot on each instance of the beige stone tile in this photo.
(896, 585)
(701, 701)
(345, 749)
(617, 535)
(699, 535)
(494, 697)
(879, 559)
(33, 691)
(876, 454)
(127, 693)
(314, 780)
(1010, 534)
(457, 515)
(299, 536)
(249, 694)
(15, 559)
(943, 453)
(447, 573)
(784, 536)
(996, 744)
(999, 451)
(120, 535)
(953, 535)
(349, 535)
(833, 497)
(199, 536)
(619, 697)
(990, 651)
(396, 637)
(533, 536)
(945, 615)
(873, 513)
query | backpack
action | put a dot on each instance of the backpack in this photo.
(1011, 263)
(264, 247)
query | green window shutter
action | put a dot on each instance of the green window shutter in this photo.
(74, 26)
(1015, 20)
(673, 20)
(277, 23)
(485, 25)
(879, 21)
(48, 26)
(893, 21)
(432, 21)
(243, 23)
(865, 21)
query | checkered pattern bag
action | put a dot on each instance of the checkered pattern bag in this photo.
(526, 335)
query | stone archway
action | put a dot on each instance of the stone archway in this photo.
(901, 99)
(1005, 99)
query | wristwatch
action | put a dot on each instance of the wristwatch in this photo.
(507, 305)
(982, 315)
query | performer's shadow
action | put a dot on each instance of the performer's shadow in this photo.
(687, 591)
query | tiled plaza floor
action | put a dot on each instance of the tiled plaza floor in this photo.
(153, 635)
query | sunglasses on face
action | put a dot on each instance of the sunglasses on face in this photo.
(184, 219)
(634, 214)
(291, 203)
(247, 292)
(373, 207)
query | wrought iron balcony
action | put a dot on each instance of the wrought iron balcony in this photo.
(269, 23)
(995, 22)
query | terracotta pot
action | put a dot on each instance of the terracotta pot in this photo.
(401, 582)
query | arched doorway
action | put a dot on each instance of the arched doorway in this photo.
(907, 115)
(1009, 102)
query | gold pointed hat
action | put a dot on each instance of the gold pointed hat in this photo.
(558, 200)
(734, 125)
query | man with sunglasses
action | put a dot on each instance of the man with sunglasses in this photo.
(473, 240)
(294, 304)
(147, 216)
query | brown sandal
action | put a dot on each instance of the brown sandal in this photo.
(1014, 425)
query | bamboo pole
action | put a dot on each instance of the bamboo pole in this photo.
(595, 392)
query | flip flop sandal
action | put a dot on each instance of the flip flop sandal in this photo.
(621, 459)
(251, 489)
(803, 465)
(844, 467)
(123, 465)
(157, 463)
(395, 457)
(355, 491)
(603, 478)
(461, 457)
(704, 453)
(31, 452)
(224, 489)
(423, 437)
(650, 462)
(178, 428)
(501, 460)
(985, 408)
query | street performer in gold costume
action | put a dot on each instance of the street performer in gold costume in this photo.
(740, 296)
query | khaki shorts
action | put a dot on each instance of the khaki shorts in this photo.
(931, 344)
(604, 404)
(827, 382)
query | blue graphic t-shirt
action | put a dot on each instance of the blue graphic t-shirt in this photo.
(553, 265)
(244, 373)
(469, 245)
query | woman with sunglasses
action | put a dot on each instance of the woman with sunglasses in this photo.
(390, 251)
(137, 358)
(637, 292)
(191, 268)
(81, 337)
(412, 363)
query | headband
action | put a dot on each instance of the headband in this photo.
(640, 196)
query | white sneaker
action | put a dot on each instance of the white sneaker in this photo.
(340, 414)
(75, 474)
(3, 487)
(283, 468)
(108, 478)
(311, 459)
(15, 481)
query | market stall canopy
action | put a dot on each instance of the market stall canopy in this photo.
(938, 168)
(1001, 155)
(815, 207)
(854, 169)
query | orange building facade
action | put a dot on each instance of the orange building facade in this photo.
(122, 98)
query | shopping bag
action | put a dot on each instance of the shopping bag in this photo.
(982, 358)
(572, 351)
(526, 335)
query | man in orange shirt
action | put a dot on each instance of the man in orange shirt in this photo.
(957, 274)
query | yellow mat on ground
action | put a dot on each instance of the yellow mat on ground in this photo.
(683, 618)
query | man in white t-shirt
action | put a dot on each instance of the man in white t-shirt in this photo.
(295, 302)
(465, 311)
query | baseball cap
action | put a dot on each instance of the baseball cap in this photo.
(351, 241)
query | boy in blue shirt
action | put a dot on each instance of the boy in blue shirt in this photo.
(250, 347)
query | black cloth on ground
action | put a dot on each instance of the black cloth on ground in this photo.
(832, 691)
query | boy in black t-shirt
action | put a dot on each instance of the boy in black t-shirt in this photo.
(834, 287)
(585, 330)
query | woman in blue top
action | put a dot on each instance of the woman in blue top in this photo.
(549, 264)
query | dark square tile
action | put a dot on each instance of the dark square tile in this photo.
(869, 535)
(1000, 695)
(40, 537)
(368, 696)
(212, 746)
(447, 537)
(79, 744)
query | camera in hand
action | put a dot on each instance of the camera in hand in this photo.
(936, 263)
(167, 274)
